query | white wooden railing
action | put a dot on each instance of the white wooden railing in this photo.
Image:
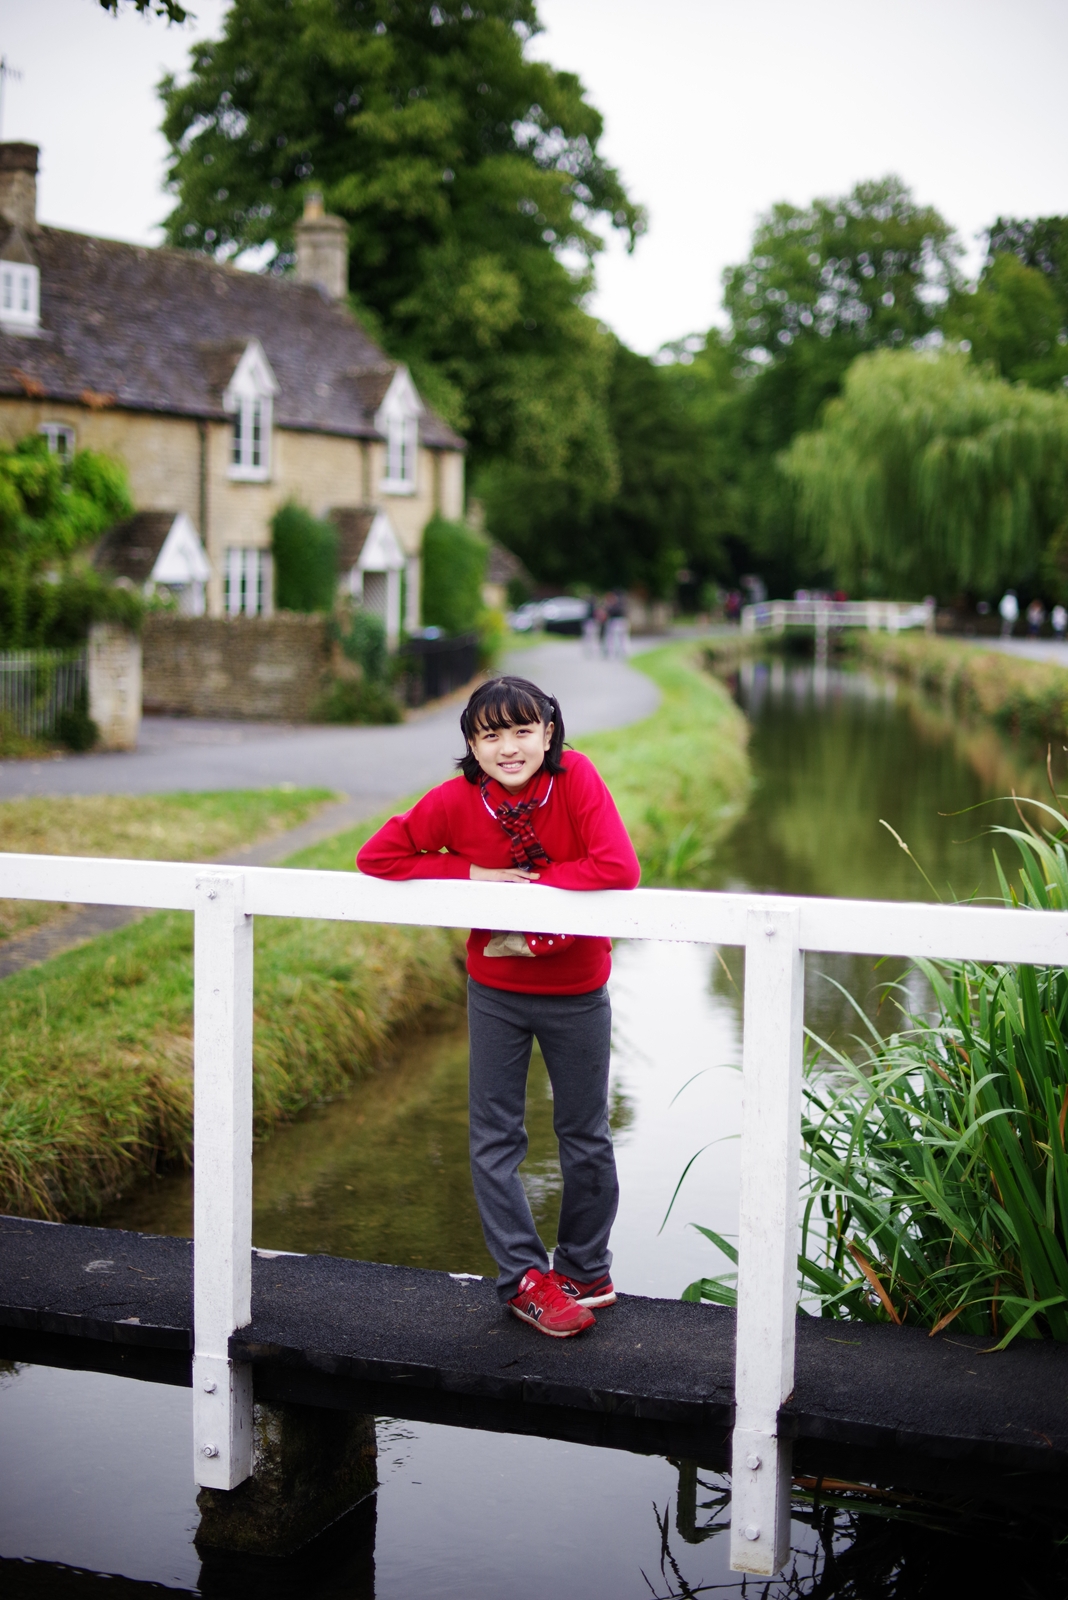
(891, 616)
(775, 932)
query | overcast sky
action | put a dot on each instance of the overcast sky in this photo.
(713, 110)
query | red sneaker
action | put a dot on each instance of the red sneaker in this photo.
(600, 1292)
(541, 1303)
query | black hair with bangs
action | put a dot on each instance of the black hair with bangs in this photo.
(508, 703)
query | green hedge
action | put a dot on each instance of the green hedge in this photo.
(305, 560)
(454, 568)
(37, 614)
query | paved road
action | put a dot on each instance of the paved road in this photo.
(1052, 651)
(371, 766)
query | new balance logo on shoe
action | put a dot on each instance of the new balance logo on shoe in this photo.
(599, 1292)
(541, 1302)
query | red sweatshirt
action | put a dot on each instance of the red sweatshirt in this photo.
(587, 845)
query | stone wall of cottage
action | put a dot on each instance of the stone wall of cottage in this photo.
(163, 458)
(251, 668)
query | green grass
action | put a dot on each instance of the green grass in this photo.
(1016, 694)
(152, 827)
(96, 1058)
(681, 778)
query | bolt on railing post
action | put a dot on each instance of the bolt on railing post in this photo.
(222, 1179)
(767, 1237)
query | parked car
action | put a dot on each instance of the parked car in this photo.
(565, 614)
(526, 617)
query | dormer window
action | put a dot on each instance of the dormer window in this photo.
(20, 295)
(249, 398)
(402, 443)
(398, 419)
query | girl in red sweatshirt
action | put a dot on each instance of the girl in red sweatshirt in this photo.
(524, 810)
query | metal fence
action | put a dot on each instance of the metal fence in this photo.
(37, 686)
(775, 932)
(436, 667)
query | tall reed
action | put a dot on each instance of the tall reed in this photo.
(937, 1183)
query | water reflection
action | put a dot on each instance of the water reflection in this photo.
(94, 1470)
(834, 752)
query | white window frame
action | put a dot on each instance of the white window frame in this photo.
(402, 451)
(248, 581)
(398, 420)
(249, 399)
(61, 439)
(250, 446)
(20, 295)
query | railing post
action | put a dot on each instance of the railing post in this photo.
(767, 1237)
(222, 1179)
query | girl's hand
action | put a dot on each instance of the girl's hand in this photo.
(502, 875)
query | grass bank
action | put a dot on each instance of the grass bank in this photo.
(96, 1060)
(681, 778)
(1017, 695)
(96, 1056)
(153, 827)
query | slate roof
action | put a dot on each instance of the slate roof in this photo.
(162, 330)
(353, 524)
(502, 566)
(131, 549)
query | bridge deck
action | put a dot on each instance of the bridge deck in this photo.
(654, 1375)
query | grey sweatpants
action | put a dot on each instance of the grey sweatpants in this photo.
(574, 1032)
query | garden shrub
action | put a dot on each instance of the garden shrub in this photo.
(454, 567)
(305, 560)
(45, 614)
(75, 727)
(360, 687)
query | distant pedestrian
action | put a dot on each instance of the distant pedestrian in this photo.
(1058, 619)
(1036, 616)
(1010, 611)
(523, 810)
(617, 629)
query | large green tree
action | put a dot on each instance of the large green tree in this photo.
(660, 515)
(161, 8)
(928, 475)
(51, 511)
(470, 177)
(822, 283)
(1039, 242)
(51, 508)
(1017, 316)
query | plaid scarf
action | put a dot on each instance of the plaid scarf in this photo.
(516, 817)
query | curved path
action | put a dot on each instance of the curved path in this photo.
(370, 766)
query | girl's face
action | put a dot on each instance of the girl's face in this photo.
(514, 754)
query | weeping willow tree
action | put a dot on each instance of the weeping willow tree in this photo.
(929, 476)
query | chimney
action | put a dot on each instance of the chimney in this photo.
(322, 247)
(18, 185)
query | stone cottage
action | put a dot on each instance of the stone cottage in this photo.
(225, 394)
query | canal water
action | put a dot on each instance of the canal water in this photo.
(94, 1470)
